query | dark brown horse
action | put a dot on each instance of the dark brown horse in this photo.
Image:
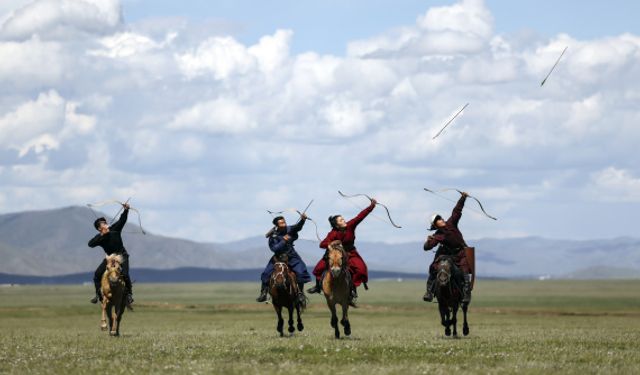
(336, 286)
(449, 295)
(113, 295)
(283, 289)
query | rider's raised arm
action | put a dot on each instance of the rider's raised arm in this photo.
(297, 227)
(457, 211)
(364, 213)
(277, 244)
(95, 241)
(118, 225)
(433, 241)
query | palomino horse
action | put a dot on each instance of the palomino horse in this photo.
(113, 295)
(336, 285)
(449, 296)
(283, 289)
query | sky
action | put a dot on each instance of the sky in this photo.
(207, 114)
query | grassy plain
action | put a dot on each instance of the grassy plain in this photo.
(524, 327)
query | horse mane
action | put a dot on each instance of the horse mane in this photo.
(114, 257)
(336, 245)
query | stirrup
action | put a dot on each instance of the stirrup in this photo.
(428, 297)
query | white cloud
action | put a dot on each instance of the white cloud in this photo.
(201, 125)
(219, 116)
(42, 124)
(464, 27)
(614, 185)
(32, 63)
(62, 18)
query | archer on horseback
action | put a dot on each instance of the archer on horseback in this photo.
(344, 231)
(110, 239)
(281, 239)
(451, 243)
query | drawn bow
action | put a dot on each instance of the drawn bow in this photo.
(115, 201)
(435, 192)
(378, 203)
(273, 213)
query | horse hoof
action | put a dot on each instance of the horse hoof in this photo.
(465, 331)
(447, 332)
(281, 334)
(300, 327)
(113, 333)
(291, 329)
(104, 328)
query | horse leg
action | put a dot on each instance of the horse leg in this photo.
(113, 319)
(300, 325)
(465, 326)
(280, 320)
(454, 319)
(444, 318)
(291, 328)
(345, 319)
(103, 320)
(334, 319)
(120, 312)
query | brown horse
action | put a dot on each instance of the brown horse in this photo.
(113, 295)
(283, 289)
(336, 285)
(449, 295)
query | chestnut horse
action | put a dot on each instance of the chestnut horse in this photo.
(283, 289)
(449, 295)
(113, 295)
(336, 285)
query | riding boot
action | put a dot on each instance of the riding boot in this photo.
(428, 296)
(96, 298)
(302, 299)
(96, 284)
(263, 294)
(466, 288)
(129, 291)
(353, 296)
(317, 288)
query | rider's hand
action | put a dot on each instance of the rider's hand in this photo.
(373, 201)
(465, 194)
(126, 206)
(303, 215)
(430, 238)
(286, 237)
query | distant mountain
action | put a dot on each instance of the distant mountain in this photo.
(54, 242)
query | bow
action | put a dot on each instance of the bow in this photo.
(435, 192)
(273, 213)
(365, 195)
(115, 201)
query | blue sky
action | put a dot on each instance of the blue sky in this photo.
(327, 26)
(210, 113)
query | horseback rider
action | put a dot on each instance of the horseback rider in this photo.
(110, 239)
(344, 231)
(281, 239)
(451, 243)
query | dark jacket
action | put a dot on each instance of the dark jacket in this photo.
(278, 245)
(450, 236)
(112, 241)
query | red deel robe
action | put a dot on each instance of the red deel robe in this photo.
(357, 266)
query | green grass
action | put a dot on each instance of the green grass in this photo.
(567, 327)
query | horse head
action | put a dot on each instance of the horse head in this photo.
(279, 277)
(337, 258)
(445, 270)
(114, 269)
